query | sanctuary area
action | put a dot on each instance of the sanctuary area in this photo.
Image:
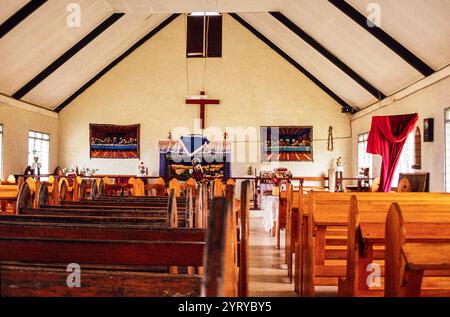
(276, 148)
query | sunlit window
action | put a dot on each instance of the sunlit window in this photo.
(39, 151)
(364, 158)
(406, 159)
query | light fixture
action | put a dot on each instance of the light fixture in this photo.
(200, 13)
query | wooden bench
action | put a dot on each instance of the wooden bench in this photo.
(101, 246)
(407, 262)
(322, 237)
(427, 222)
(8, 195)
(70, 229)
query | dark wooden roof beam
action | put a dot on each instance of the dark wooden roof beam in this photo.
(346, 108)
(67, 55)
(383, 37)
(328, 55)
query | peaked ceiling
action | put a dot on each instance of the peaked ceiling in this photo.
(45, 63)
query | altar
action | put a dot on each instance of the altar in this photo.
(177, 158)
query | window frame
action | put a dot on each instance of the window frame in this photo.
(43, 139)
(409, 167)
(206, 53)
(365, 135)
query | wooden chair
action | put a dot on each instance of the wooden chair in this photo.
(138, 187)
(404, 185)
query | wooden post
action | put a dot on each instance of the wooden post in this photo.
(217, 280)
(243, 256)
(308, 262)
(189, 219)
(229, 195)
(172, 219)
(394, 260)
(300, 240)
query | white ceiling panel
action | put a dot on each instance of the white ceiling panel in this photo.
(356, 47)
(421, 26)
(41, 38)
(326, 72)
(188, 6)
(9, 7)
(92, 59)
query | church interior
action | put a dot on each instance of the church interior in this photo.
(225, 148)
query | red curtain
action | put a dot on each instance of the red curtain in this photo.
(387, 137)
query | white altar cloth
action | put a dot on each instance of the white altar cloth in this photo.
(269, 207)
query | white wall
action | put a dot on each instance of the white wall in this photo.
(428, 102)
(255, 85)
(18, 119)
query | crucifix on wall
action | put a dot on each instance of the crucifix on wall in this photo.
(202, 102)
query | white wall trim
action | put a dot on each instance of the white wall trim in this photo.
(415, 87)
(9, 101)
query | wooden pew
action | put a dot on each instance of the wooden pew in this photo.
(219, 278)
(366, 229)
(8, 195)
(98, 253)
(99, 249)
(244, 239)
(330, 210)
(406, 261)
(89, 214)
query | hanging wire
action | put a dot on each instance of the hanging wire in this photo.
(206, 45)
(187, 64)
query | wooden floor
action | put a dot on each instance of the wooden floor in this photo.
(268, 272)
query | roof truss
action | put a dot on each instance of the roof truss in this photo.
(345, 106)
(383, 37)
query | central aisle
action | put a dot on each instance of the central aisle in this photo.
(268, 273)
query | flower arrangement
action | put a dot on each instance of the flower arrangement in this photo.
(276, 177)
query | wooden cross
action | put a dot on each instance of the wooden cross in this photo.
(202, 103)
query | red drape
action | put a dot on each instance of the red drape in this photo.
(387, 137)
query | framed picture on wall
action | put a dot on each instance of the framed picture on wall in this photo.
(109, 141)
(428, 130)
(287, 143)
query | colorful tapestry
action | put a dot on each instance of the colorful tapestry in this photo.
(114, 141)
(282, 144)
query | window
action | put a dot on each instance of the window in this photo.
(406, 162)
(447, 150)
(364, 158)
(39, 148)
(1, 151)
(204, 35)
